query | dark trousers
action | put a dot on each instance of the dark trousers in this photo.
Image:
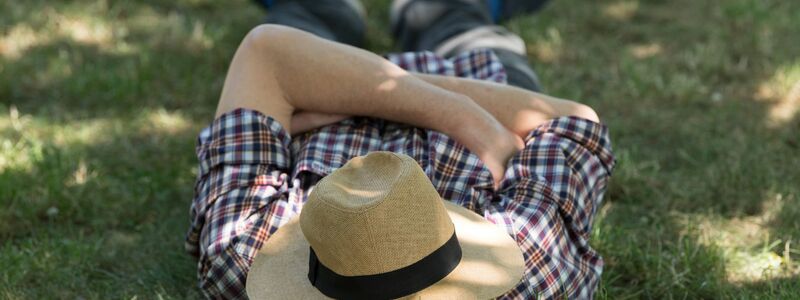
(446, 27)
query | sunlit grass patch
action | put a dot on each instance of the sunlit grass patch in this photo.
(100, 104)
(17, 40)
(87, 27)
(750, 250)
(645, 50)
(549, 48)
(782, 91)
(87, 199)
(59, 166)
(621, 10)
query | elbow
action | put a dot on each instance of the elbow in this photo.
(584, 111)
(268, 38)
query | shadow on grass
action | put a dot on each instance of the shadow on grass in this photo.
(85, 59)
(101, 103)
(690, 91)
(101, 216)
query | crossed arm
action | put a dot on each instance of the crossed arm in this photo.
(303, 82)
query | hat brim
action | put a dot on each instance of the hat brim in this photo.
(491, 263)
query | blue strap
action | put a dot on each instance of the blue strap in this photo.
(496, 8)
(265, 3)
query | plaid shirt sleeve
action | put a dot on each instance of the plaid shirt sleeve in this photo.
(240, 192)
(547, 203)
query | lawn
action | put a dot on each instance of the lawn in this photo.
(100, 102)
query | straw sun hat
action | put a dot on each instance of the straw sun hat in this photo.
(377, 229)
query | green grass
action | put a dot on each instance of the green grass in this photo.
(100, 102)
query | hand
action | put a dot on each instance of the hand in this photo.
(494, 145)
(303, 121)
(501, 147)
(489, 140)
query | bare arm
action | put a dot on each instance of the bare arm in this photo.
(517, 109)
(278, 71)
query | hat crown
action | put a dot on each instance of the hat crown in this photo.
(377, 213)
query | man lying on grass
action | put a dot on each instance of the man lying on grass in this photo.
(296, 107)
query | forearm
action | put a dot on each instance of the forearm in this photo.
(517, 109)
(318, 75)
(280, 71)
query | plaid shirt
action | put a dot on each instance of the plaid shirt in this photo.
(254, 177)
